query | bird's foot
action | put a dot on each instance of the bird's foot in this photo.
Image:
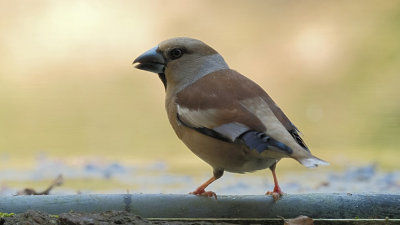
(276, 193)
(202, 192)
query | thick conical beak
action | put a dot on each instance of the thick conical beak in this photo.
(152, 61)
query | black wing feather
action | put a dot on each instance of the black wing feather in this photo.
(261, 142)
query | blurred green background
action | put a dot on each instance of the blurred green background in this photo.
(68, 89)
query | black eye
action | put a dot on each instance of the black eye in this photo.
(175, 53)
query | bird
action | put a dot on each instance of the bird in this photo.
(222, 116)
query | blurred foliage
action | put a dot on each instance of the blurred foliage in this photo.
(67, 87)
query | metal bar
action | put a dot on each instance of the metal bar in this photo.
(324, 206)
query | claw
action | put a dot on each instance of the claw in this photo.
(202, 192)
(275, 195)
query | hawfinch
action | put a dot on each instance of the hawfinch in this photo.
(222, 116)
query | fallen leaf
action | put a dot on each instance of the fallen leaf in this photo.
(300, 220)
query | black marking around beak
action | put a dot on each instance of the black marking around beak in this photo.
(152, 61)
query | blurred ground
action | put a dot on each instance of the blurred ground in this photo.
(69, 97)
(101, 176)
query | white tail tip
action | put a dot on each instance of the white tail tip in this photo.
(313, 162)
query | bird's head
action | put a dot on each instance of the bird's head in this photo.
(180, 61)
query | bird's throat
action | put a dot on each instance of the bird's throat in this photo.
(163, 79)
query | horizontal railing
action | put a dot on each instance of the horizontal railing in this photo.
(322, 206)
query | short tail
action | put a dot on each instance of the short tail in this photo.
(312, 162)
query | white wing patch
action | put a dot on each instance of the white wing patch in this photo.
(198, 118)
(208, 119)
(232, 130)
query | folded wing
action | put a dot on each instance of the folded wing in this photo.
(214, 106)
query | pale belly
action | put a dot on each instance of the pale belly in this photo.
(227, 156)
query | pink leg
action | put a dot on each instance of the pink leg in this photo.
(201, 190)
(277, 192)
